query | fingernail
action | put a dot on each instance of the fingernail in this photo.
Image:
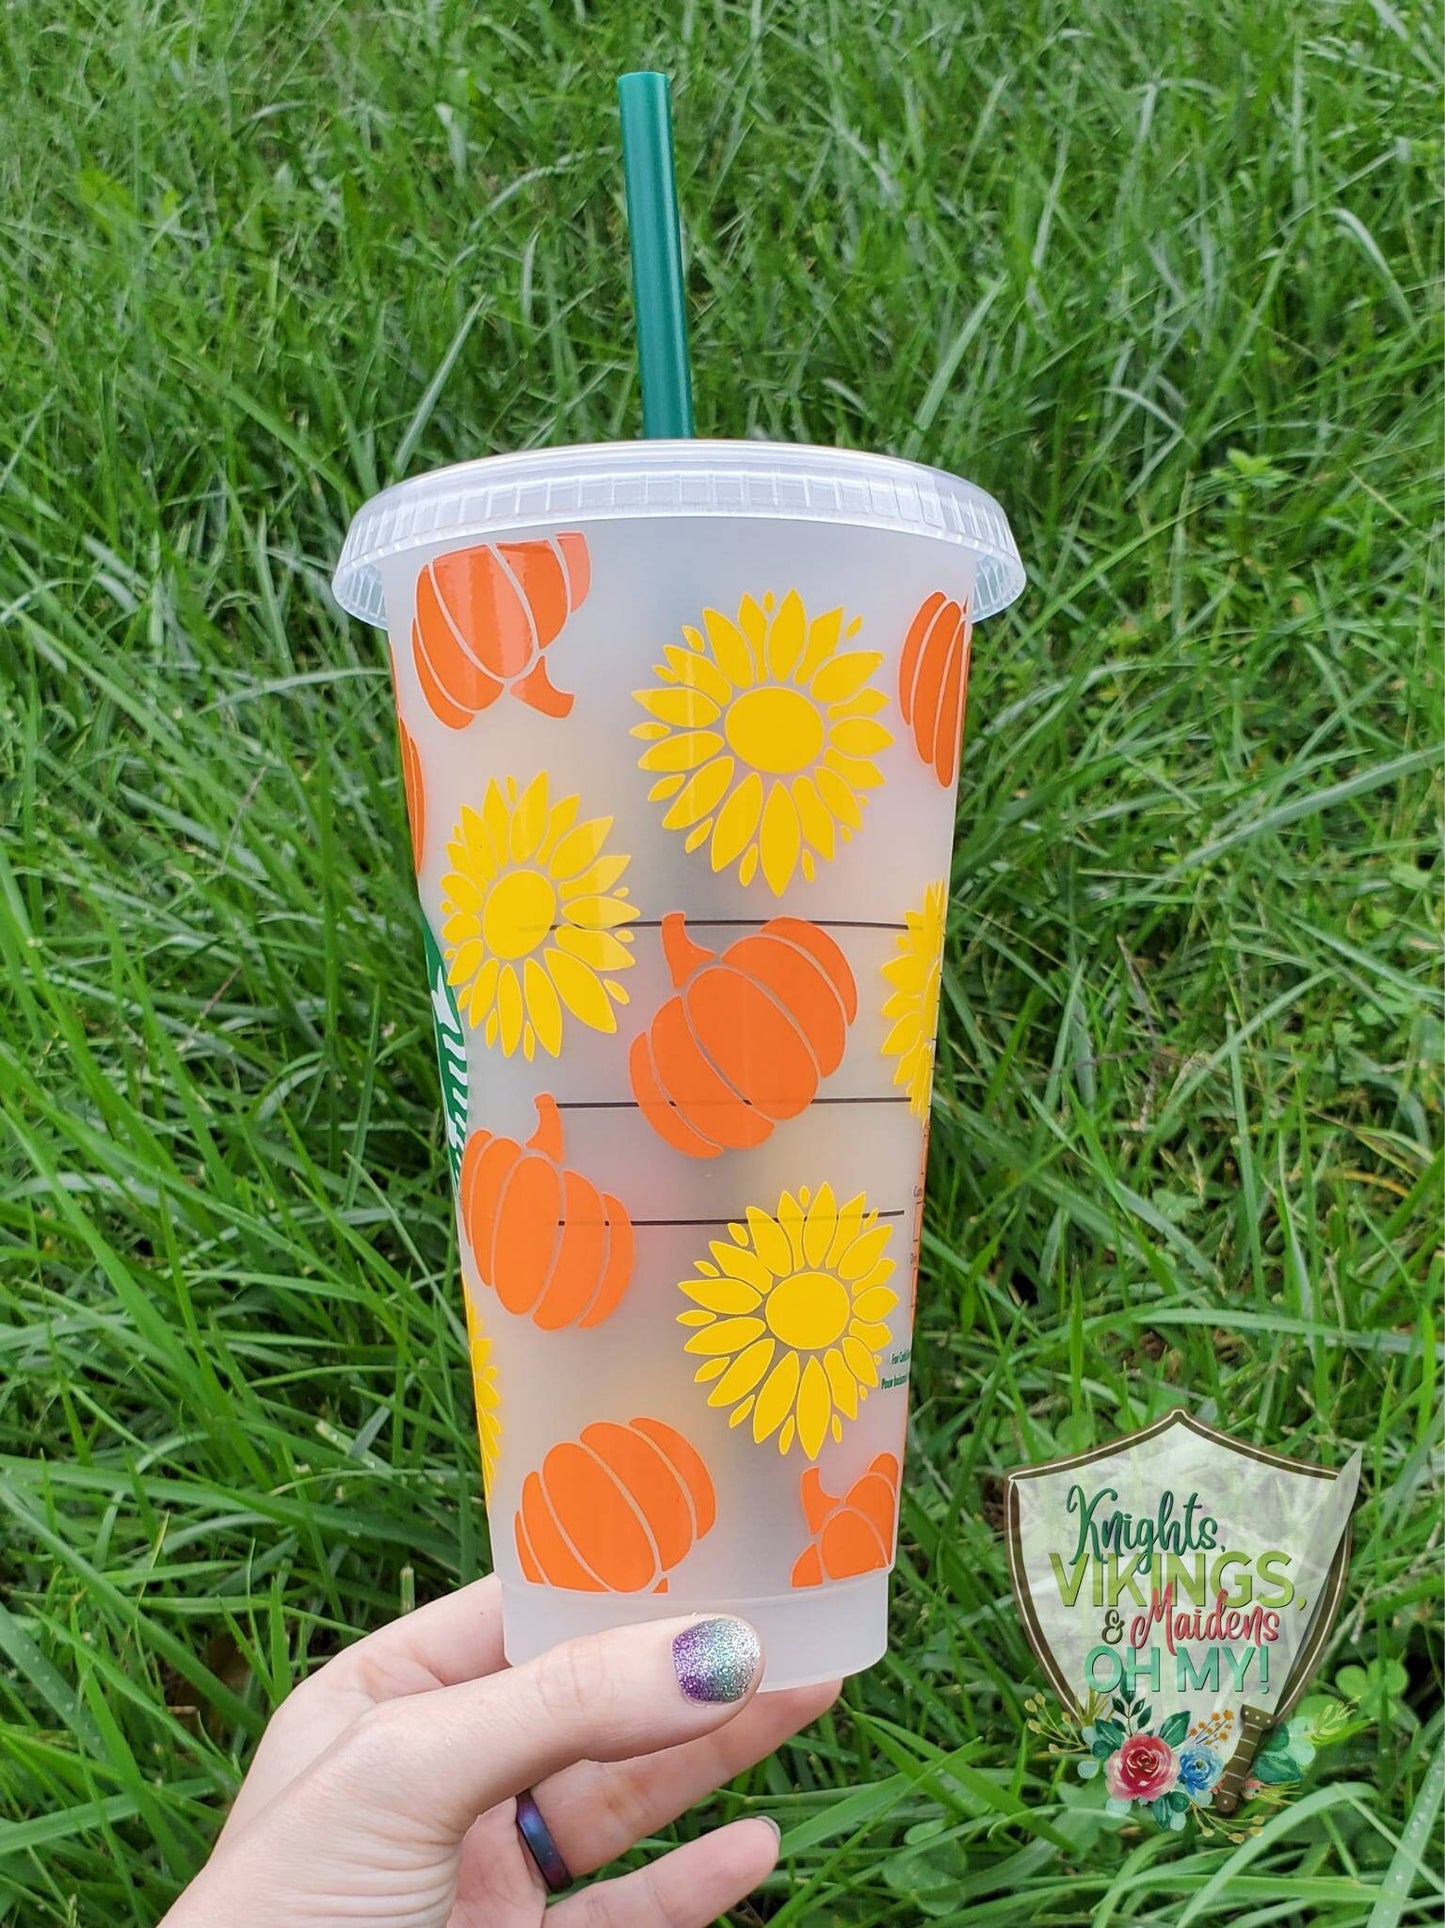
(716, 1659)
(772, 1824)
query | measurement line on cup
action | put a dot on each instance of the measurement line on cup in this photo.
(737, 1219)
(756, 923)
(630, 1104)
(882, 1098)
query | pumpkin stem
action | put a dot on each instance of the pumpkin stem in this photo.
(537, 688)
(547, 1138)
(683, 956)
(817, 1504)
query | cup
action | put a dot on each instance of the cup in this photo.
(680, 727)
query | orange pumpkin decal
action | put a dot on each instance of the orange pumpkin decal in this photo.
(546, 1241)
(747, 1038)
(851, 1535)
(483, 618)
(614, 1510)
(933, 682)
(414, 786)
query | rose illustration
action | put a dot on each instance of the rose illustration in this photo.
(1199, 1768)
(1142, 1769)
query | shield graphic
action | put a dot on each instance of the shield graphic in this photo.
(1197, 1571)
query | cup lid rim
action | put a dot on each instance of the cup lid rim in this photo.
(610, 481)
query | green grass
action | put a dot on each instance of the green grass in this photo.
(1164, 280)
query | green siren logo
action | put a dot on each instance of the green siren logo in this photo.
(1177, 1587)
(451, 1043)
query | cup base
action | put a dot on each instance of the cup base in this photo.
(812, 1635)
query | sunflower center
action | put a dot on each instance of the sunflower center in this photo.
(518, 913)
(775, 729)
(809, 1310)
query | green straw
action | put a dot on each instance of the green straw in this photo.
(656, 237)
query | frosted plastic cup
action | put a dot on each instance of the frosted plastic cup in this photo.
(680, 727)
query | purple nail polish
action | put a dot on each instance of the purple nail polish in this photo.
(716, 1659)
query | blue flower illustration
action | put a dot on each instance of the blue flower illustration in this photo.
(1199, 1768)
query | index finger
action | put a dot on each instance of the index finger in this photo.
(451, 1640)
(456, 1638)
(440, 1761)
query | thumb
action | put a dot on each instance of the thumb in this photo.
(439, 1759)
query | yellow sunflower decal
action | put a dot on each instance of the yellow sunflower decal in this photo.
(532, 918)
(487, 1394)
(916, 974)
(762, 737)
(789, 1317)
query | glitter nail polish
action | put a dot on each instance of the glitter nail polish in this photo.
(716, 1659)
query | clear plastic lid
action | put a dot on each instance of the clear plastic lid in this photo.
(602, 481)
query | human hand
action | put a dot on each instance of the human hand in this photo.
(383, 1791)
